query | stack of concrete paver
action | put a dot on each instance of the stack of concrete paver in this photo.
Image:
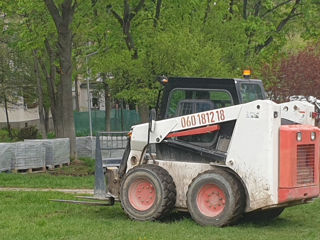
(57, 151)
(32, 154)
(86, 146)
(7, 154)
(28, 155)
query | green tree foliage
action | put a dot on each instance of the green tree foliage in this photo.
(195, 38)
(135, 41)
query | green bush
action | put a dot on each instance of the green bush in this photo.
(51, 135)
(30, 132)
(4, 135)
(90, 163)
(82, 133)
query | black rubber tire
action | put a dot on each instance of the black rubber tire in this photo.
(165, 192)
(234, 198)
(124, 160)
(264, 215)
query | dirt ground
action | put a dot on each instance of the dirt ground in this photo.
(73, 191)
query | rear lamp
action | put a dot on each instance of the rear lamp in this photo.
(313, 136)
(299, 136)
(315, 115)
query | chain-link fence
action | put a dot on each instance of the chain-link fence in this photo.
(121, 120)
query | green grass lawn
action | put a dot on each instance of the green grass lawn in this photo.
(78, 175)
(30, 215)
(45, 180)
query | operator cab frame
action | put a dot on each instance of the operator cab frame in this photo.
(186, 95)
(240, 90)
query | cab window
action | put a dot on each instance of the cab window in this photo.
(188, 101)
(250, 92)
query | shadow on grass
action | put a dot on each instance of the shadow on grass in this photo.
(278, 222)
(175, 217)
(116, 213)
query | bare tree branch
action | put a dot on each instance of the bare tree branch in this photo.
(136, 9)
(54, 12)
(115, 14)
(257, 8)
(126, 11)
(93, 2)
(231, 6)
(280, 26)
(207, 12)
(125, 23)
(245, 6)
(157, 14)
(275, 7)
(75, 5)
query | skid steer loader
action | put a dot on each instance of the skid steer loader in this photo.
(217, 149)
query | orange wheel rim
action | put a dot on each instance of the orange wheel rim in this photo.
(211, 200)
(142, 194)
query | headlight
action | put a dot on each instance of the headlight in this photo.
(313, 136)
(299, 136)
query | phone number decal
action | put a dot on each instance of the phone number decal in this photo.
(202, 118)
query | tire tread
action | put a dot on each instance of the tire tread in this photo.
(238, 193)
(168, 186)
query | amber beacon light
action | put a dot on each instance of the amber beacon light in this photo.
(246, 73)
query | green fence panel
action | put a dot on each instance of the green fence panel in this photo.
(121, 120)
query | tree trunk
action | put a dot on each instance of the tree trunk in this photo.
(7, 115)
(107, 100)
(59, 112)
(63, 22)
(65, 47)
(46, 119)
(144, 113)
(40, 96)
(122, 116)
(76, 90)
(51, 87)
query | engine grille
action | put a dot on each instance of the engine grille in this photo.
(305, 163)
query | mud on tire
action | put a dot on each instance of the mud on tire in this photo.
(215, 198)
(147, 193)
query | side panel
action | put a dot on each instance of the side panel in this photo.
(183, 173)
(298, 112)
(253, 151)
